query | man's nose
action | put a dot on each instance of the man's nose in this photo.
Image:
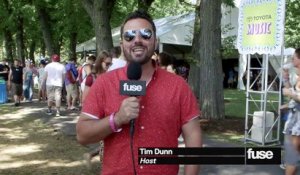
(138, 38)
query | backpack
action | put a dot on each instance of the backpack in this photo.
(70, 76)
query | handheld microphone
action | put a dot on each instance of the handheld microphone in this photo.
(132, 86)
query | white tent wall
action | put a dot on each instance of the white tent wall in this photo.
(275, 59)
(242, 70)
(174, 30)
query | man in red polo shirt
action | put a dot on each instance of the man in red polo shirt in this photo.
(168, 109)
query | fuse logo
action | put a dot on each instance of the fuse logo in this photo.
(132, 88)
(259, 154)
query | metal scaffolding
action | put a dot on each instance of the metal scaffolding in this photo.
(262, 120)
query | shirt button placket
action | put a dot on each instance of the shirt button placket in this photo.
(143, 107)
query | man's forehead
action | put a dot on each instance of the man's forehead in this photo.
(136, 24)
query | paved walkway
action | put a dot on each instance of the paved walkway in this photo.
(66, 124)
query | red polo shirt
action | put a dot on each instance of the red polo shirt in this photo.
(168, 104)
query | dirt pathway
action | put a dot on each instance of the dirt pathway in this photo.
(32, 142)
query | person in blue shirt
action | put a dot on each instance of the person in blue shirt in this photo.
(71, 84)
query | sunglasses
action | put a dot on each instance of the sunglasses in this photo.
(129, 35)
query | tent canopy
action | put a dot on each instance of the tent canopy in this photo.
(175, 33)
(176, 30)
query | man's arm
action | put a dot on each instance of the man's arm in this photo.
(63, 78)
(24, 76)
(192, 137)
(87, 69)
(9, 79)
(92, 130)
(45, 77)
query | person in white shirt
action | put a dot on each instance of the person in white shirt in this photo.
(117, 62)
(54, 77)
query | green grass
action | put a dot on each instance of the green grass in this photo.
(8, 109)
(232, 128)
(235, 103)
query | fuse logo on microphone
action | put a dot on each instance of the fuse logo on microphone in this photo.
(132, 88)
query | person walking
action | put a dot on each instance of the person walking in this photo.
(54, 78)
(71, 84)
(15, 81)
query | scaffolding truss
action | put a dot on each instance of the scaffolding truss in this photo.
(263, 101)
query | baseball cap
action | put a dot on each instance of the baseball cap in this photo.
(43, 62)
(55, 58)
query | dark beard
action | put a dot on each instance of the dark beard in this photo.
(145, 60)
(129, 58)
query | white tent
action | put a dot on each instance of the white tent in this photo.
(173, 30)
(170, 30)
(275, 61)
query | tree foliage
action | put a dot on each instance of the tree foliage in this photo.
(292, 25)
(59, 25)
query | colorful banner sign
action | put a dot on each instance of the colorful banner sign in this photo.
(261, 26)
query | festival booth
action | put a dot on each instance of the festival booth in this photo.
(261, 31)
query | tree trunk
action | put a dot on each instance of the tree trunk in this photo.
(72, 46)
(74, 29)
(46, 29)
(100, 13)
(144, 4)
(20, 38)
(31, 50)
(8, 37)
(210, 73)
(8, 44)
(195, 67)
(43, 49)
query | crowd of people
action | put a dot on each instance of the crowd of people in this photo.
(70, 81)
(95, 85)
(168, 109)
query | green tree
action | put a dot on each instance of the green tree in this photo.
(292, 25)
(100, 14)
(121, 9)
(206, 76)
(144, 4)
(47, 24)
(74, 24)
(7, 26)
(160, 8)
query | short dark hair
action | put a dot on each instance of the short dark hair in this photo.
(18, 60)
(138, 14)
(165, 59)
(72, 59)
(115, 52)
(92, 58)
